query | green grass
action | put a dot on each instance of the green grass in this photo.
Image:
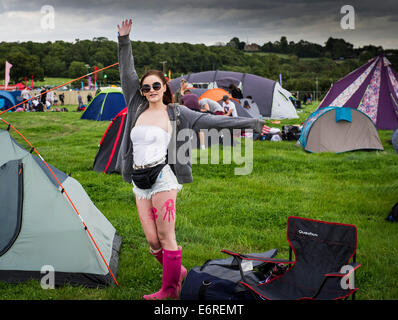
(50, 82)
(220, 210)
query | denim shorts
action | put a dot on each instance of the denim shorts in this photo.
(165, 181)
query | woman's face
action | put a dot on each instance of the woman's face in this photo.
(153, 95)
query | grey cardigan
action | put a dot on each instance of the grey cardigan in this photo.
(180, 117)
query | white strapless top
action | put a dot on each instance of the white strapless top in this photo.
(149, 144)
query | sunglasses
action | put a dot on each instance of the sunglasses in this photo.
(147, 87)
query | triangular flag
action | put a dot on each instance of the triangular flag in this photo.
(7, 75)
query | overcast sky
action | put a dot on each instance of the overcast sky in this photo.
(201, 21)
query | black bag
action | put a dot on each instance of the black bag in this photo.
(220, 279)
(393, 215)
(145, 178)
(291, 133)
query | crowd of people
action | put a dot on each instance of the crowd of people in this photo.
(47, 101)
(41, 102)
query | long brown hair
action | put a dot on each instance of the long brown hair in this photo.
(167, 96)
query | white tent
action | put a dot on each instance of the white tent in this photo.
(282, 106)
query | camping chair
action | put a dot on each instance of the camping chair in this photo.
(322, 253)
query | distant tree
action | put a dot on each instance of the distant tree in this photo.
(54, 66)
(268, 47)
(234, 43)
(284, 46)
(339, 48)
(77, 69)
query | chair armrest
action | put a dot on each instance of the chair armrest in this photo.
(270, 260)
(354, 266)
(258, 258)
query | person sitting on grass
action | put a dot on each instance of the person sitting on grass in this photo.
(229, 107)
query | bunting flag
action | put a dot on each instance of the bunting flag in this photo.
(95, 74)
(7, 75)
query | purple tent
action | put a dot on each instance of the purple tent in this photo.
(259, 88)
(372, 89)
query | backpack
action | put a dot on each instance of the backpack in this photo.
(220, 279)
(393, 215)
(291, 133)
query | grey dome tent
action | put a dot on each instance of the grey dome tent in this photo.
(39, 226)
(339, 129)
(272, 100)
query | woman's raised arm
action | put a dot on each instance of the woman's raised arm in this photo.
(128, 76)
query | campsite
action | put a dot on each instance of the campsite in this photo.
(250, 172)
(241, 213)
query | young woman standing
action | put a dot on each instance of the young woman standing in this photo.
(145, 161)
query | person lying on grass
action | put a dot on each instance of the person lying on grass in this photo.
(147, 157)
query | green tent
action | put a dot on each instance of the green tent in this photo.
(105, 105)
(39, 226)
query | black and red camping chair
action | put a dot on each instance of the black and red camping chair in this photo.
(321, 269)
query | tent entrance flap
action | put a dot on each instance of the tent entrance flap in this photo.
(11, 197)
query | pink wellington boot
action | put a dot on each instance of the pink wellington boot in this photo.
(158, 254)
(171, 276)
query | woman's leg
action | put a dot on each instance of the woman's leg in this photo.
(147, 215)
(165, 215)
(173, 272)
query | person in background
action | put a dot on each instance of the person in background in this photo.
(235, 91)
(43, 97)
(190, 100)
(208, 105)
(48, 106)
(50, 97)
(25, 96)
(62, 98)
(89, 98)
(180, 92)
(55, 99)
(229, 107)
(79, 100)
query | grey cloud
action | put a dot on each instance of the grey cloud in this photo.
(204, 20)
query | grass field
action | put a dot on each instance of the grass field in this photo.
(50, 82)
(220, 210)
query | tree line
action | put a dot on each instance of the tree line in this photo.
(303, 65)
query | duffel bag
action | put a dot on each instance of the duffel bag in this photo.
(220, 279)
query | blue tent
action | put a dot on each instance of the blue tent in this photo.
(7, 100)
(105, 105)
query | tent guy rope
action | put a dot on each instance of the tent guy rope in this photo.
(55, 177)
(64, 84)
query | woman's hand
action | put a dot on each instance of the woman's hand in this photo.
(265, 130)
(125, 28)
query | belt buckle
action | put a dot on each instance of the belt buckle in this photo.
(149, 165)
